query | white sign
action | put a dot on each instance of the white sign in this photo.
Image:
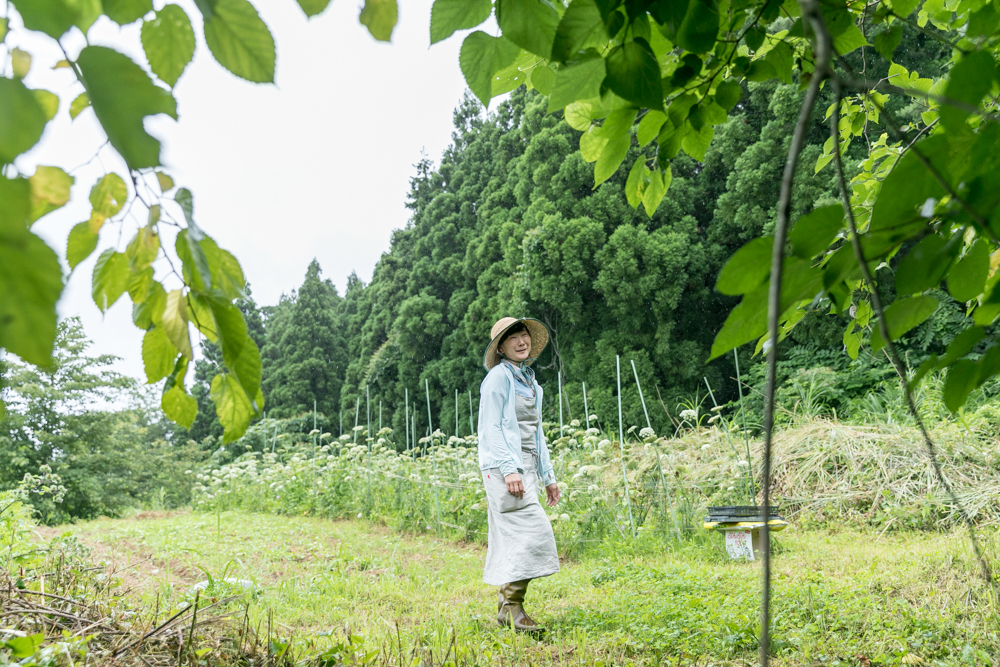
(739, 544)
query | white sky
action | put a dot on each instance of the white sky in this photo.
(315, 166)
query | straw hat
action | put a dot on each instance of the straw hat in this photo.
(539, 339)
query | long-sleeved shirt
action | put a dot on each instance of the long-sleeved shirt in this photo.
(499, 435)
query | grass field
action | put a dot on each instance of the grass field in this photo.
(351, 592)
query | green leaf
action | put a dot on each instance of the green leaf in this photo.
(655, 190)
(634, 74)
(177, 404)
(579, 80)
(649, 126)
(761, 70)
(747, 269)
(514, 75)
(122, 95)
(22, 119)
(150, 310)
(581, 27)
(123, 12)
(902, 315)
(888, 41)
(852, 340)
(158, 355)
(800, 283)
(4, 24)
(983, 22)
(909, 185)
(80, 244)
(781, 58)
(849, 40)
(48, 101)
(904, 7)
(727, 94)
(109, 195)
(50, 189)
(700, 27)
(970, 79)
(25, 647)
(959, 383)
(30, 285)
(239, 39)
(175, 322)
(143, 248)
(110, 278)
(232, 406)
(15, 207)
(967, 278)
(53, 17)
(239, 352)
(480, 58)
(140, 284)
(79, 103)
(168, 40)
(611, 158)
(530, 24)
(961, 345)
(165, 182)
(313, 7)
(813, 233)
(380, 16)
(542, 79)
(447, 16)
(696, 144)
(20, 62)
(925, 265)
(635, 182)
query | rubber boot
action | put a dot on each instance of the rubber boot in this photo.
(510, 607)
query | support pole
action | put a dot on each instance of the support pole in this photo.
(621, 443)
(380, 414)
(368, 411)
(456, 413)
(656, 451)
(357, 409)
(586, 408)
(406, 401)
(559, 382)
(472, 431)
(430, 432)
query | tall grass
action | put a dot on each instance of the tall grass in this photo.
(825, 473)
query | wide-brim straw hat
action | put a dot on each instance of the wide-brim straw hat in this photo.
(539, 339)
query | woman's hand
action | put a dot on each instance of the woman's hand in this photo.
(553, 493)
(515, 486)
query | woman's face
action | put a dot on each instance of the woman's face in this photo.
(517, 346)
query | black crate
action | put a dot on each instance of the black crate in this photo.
(736, 513)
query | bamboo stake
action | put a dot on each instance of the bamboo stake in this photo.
(368, 410)
(725, 428)
(471, 429)
(621, 443)
(456, 413)
(406, 402)
(743, 414)
(357, 409)
(430, 431)
(559, 382)
(586, 408)
(656, 451)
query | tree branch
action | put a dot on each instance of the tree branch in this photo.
(890, 347)
(812, 15)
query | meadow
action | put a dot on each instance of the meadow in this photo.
(331, 551)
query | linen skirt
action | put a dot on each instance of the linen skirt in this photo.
(521, 543)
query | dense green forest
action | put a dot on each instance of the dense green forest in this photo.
(508, 222)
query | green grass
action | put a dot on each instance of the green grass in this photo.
(839, 598)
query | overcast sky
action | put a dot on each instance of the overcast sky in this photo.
(314, 166)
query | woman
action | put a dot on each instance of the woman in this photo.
(513, 458)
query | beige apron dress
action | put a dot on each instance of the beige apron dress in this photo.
(521, 542)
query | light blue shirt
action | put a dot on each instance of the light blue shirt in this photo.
(499, 435)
